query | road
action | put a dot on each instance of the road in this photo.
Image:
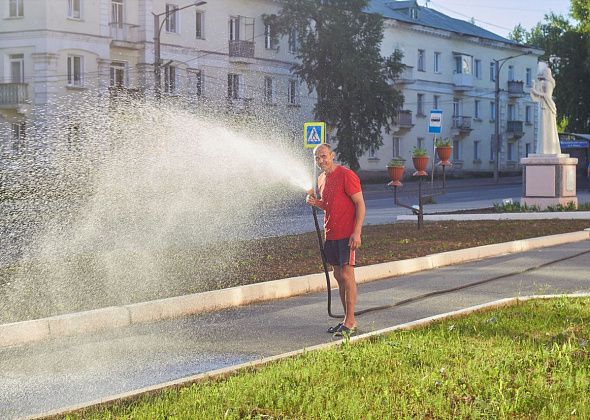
(51, 375)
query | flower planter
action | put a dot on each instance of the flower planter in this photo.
(444, 154)
(420, 163)
(395, 173)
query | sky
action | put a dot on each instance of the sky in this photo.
(500, 16)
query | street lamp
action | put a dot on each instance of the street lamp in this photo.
(157, 30)
(497, 67)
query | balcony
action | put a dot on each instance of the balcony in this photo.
(514, 129)
(462, 124)
(124, 35)
(403, 119)
(406, 76)
(515, 88)
(13, 95)
(241, 51)
(462, 82)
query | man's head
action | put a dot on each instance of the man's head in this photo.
(324, 157)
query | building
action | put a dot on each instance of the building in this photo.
(451, 66)
(217, 51)
(222, 52)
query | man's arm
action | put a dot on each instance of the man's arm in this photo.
(359, 204)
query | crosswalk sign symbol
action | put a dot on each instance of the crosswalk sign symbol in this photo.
(314, 134)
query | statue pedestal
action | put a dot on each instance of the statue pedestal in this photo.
(548, 180)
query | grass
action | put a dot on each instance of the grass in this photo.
(87, 285)
(526, 361)
(511, 207)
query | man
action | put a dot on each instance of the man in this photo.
(344, 207)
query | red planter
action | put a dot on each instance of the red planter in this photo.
(420, 163)
(444, 154)
(395, 173)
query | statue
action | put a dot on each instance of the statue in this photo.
(542, 91)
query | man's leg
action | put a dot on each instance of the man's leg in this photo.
(347, 289)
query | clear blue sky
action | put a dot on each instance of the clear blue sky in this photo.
(500, 16)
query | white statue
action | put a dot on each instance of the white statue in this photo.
(542, 91)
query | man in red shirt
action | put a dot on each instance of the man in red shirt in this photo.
(344, 207)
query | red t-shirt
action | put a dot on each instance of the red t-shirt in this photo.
(336, 190)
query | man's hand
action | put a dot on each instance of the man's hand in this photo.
(355, 241)
(312, 200)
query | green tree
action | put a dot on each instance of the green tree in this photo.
(339, 59)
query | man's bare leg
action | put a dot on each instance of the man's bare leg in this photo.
(347, 289)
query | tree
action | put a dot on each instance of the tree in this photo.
(339, 59)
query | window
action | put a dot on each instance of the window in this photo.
(437, 62)
(457, 111)
(18, 136)
(420, 142)
(492, 111)
(492, 71)
(420, 105)
(372, 153)
(293, 40)
(16, 8)
(233, 86)
(194, 82)
(171, 18)
(396, 144)
(268, 41)
(199, 24)
(527, 149)
(510, 73)
(293, 92)
(170, 84)
(435, 101)
(527, 114)
(414, 13)
(510, 151)
(456, 150)
(478, 69)
(269, 91)
(511, 113)
(463, 64)
(118, 74)
(421, 60)
(528, 76)
(476, 153)
(234, 28)
(117, 11)
(492, 148)
(74, 9)
(75, 69)
(17, 68)
(476, 110)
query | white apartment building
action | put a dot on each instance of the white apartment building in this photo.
(451, 67)
(221, 50)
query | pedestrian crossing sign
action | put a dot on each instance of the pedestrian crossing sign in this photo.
(314, 134)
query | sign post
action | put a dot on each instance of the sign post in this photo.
(434, 127)
(314, 134)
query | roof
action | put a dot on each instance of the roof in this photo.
(399, 10)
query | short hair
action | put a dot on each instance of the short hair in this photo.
(326, 145)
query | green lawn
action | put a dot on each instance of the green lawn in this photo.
(530, 360)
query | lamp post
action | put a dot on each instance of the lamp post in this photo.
(157, 30)
(497, 67)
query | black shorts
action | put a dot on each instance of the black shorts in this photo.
(338, 252)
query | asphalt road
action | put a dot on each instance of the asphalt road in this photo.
(50, 375)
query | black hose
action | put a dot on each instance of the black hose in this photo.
(425, 295)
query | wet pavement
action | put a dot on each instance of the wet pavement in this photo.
(50, 375)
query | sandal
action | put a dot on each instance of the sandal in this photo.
(332, 330)
(345, 331)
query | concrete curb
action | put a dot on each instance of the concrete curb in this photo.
(578, 215)
(120, 316)
(221, 373)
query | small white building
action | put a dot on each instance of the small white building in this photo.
(451, 66)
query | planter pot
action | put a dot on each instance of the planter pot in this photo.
(395, 173)
(420, 163)
(444, 154)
